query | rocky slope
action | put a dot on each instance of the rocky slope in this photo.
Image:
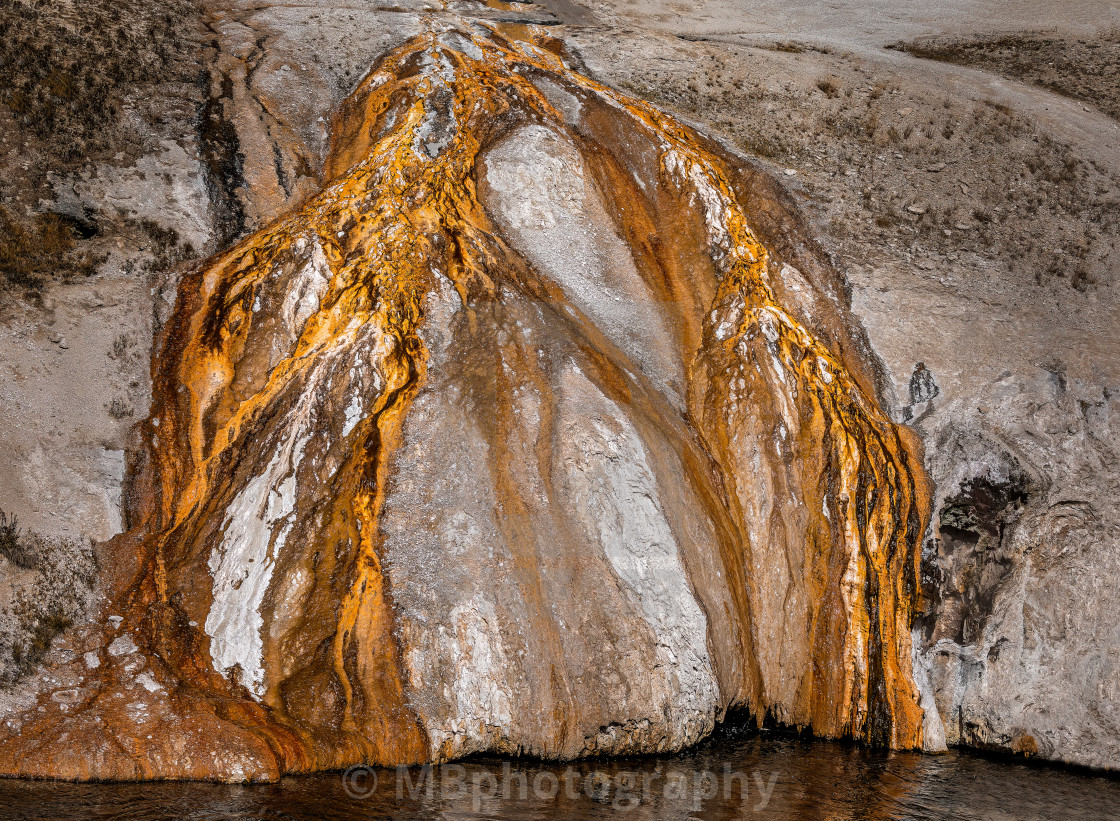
(564, 355)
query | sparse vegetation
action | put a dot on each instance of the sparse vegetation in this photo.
(829, 85)
(34, 249)
(121, 409)
(791, 47)
(990, 182)
(64, 75)
(76, 81)
(43, 590)
(12, 546)
(1084, 69)
(167, 247)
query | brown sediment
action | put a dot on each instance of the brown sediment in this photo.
(283, 386)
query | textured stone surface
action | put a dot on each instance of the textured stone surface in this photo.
(1016, 396)
(1015, 399)
(1018, 643)
(517, 437)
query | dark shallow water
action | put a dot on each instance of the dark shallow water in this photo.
(784, 778)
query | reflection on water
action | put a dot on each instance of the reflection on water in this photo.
(730, 777)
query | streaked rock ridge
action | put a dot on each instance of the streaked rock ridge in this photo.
(542, 429)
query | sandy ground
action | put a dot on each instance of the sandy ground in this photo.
(858, 23)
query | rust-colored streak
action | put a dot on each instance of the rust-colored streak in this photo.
(292, 360)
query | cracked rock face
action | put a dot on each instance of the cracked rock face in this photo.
(542, 428)
(1017, 639)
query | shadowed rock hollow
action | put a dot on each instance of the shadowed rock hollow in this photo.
(543, 429)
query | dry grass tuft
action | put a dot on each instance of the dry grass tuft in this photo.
(65, 72)
(1083, 69)
(31, 250)
(48, 582)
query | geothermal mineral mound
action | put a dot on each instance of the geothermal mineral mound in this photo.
(543, 429)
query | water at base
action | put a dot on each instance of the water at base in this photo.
(731, 777)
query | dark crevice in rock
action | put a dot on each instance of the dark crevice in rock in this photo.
(81, 223)
(737, 723)
(971, 557)
(281, 174)
(223, 161)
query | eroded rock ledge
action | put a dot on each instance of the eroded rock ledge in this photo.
(542, 429)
